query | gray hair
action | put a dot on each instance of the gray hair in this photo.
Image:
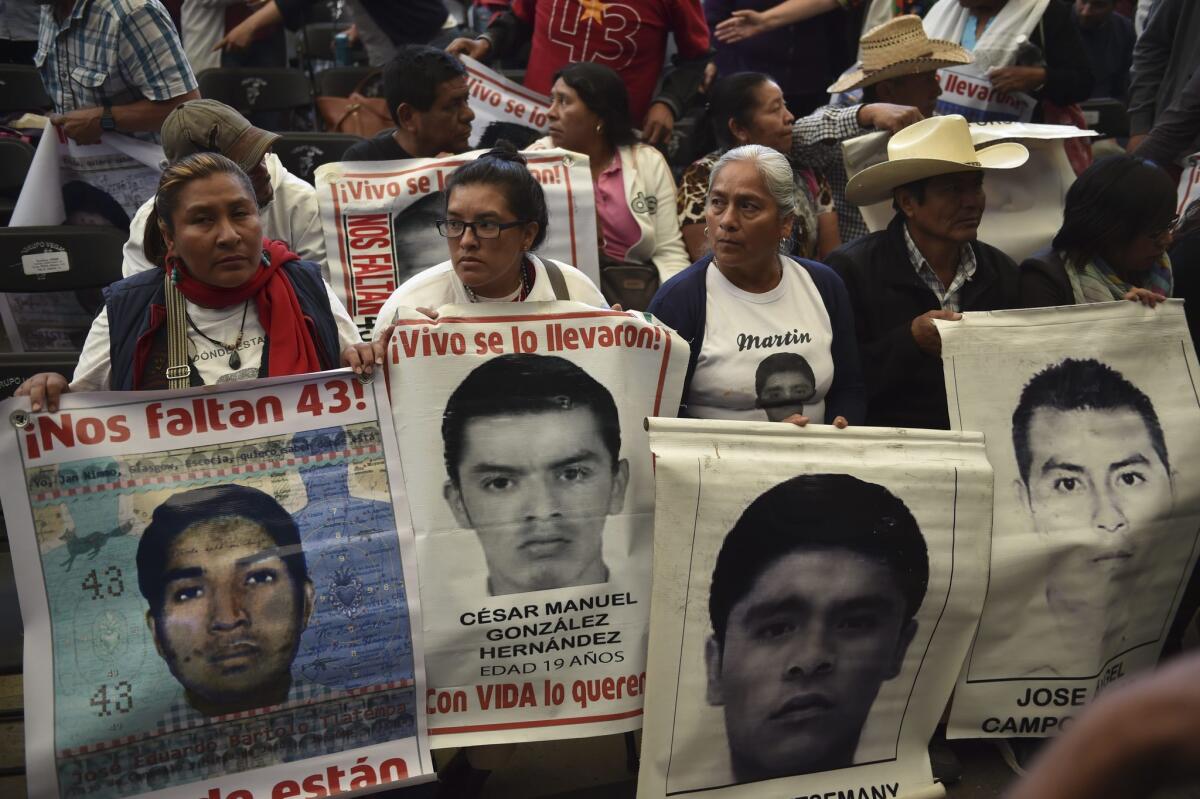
(773, 168)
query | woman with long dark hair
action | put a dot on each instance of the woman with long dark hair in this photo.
(1112, 244)
(635, 193)
(749, 108)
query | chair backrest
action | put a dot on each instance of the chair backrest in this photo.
(15, 158)
(303, 152)
(341, 81)
(254, 89)
(21, 89)
(59, 258)
(1106, 116)
(316, 42)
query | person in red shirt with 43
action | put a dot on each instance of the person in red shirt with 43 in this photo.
(629, 36)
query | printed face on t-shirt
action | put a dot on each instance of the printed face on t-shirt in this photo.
(784, 394)
(537, 488)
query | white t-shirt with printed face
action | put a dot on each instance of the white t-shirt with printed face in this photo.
(765, 356)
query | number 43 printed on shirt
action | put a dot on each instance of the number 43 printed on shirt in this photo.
(614, 24)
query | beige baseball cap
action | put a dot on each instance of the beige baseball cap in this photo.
(209, 126)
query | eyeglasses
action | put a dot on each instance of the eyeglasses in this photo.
(484, 229)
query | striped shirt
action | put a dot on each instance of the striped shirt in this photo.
(115, 51)
(949, 296)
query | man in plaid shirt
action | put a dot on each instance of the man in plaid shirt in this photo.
(111, 65)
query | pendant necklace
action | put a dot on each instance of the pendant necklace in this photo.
(522, 294)
(235, 360)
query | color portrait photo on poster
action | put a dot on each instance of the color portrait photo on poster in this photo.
(815, 591)
(1096, 510)
(219, 592)
(379, 219)
(530, 480)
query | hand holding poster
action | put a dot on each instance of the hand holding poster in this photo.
(215, 587)
(1094, 446)
(499, 103)
(970, 93)
(815, 591)
(379, 220)
(530, 482)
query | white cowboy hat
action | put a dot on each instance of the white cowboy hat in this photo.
(925, 149)
(899, 47)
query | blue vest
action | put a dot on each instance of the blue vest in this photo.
(137, 314)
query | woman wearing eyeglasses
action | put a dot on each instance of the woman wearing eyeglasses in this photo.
(495, 215)
(1113, 243)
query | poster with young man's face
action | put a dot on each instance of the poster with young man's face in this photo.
(214, 587)
(531, 487)
(814, 593)
(1096, 516)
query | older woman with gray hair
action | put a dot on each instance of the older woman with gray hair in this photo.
(747, 303)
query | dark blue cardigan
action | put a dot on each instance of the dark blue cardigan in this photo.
(681, 303)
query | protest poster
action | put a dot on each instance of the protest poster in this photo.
(502, 107)
(815, 591)
(120, 168)
(218, 590)
(967, 92)
(530, 481)
(379, 221)
(1024, 205)
(1095, 528)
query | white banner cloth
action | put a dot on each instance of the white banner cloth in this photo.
(815, 591)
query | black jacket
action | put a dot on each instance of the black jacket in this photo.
(1044, 281)
(905, 387)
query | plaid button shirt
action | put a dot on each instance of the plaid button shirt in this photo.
(119, 51)
(949, 296)
(817, 141)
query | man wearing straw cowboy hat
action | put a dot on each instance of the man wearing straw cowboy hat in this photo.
(898, 78)
(927, 264)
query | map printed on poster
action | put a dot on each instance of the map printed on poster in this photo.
(1097, 510)
(218, 590)
(815, 592)
(531, 486)
(499, 103)
(971, 94)
(380, 219)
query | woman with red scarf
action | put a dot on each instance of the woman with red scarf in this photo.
(225, 305)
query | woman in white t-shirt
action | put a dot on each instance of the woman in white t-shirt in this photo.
(771, 335)
(223, 304)
(495, 215)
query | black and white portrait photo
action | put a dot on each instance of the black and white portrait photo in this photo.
(829, 582)
(783, 382)
(1095, 520)
(523, 440)
(813, 606)
(534, 467)
(1095, 472)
